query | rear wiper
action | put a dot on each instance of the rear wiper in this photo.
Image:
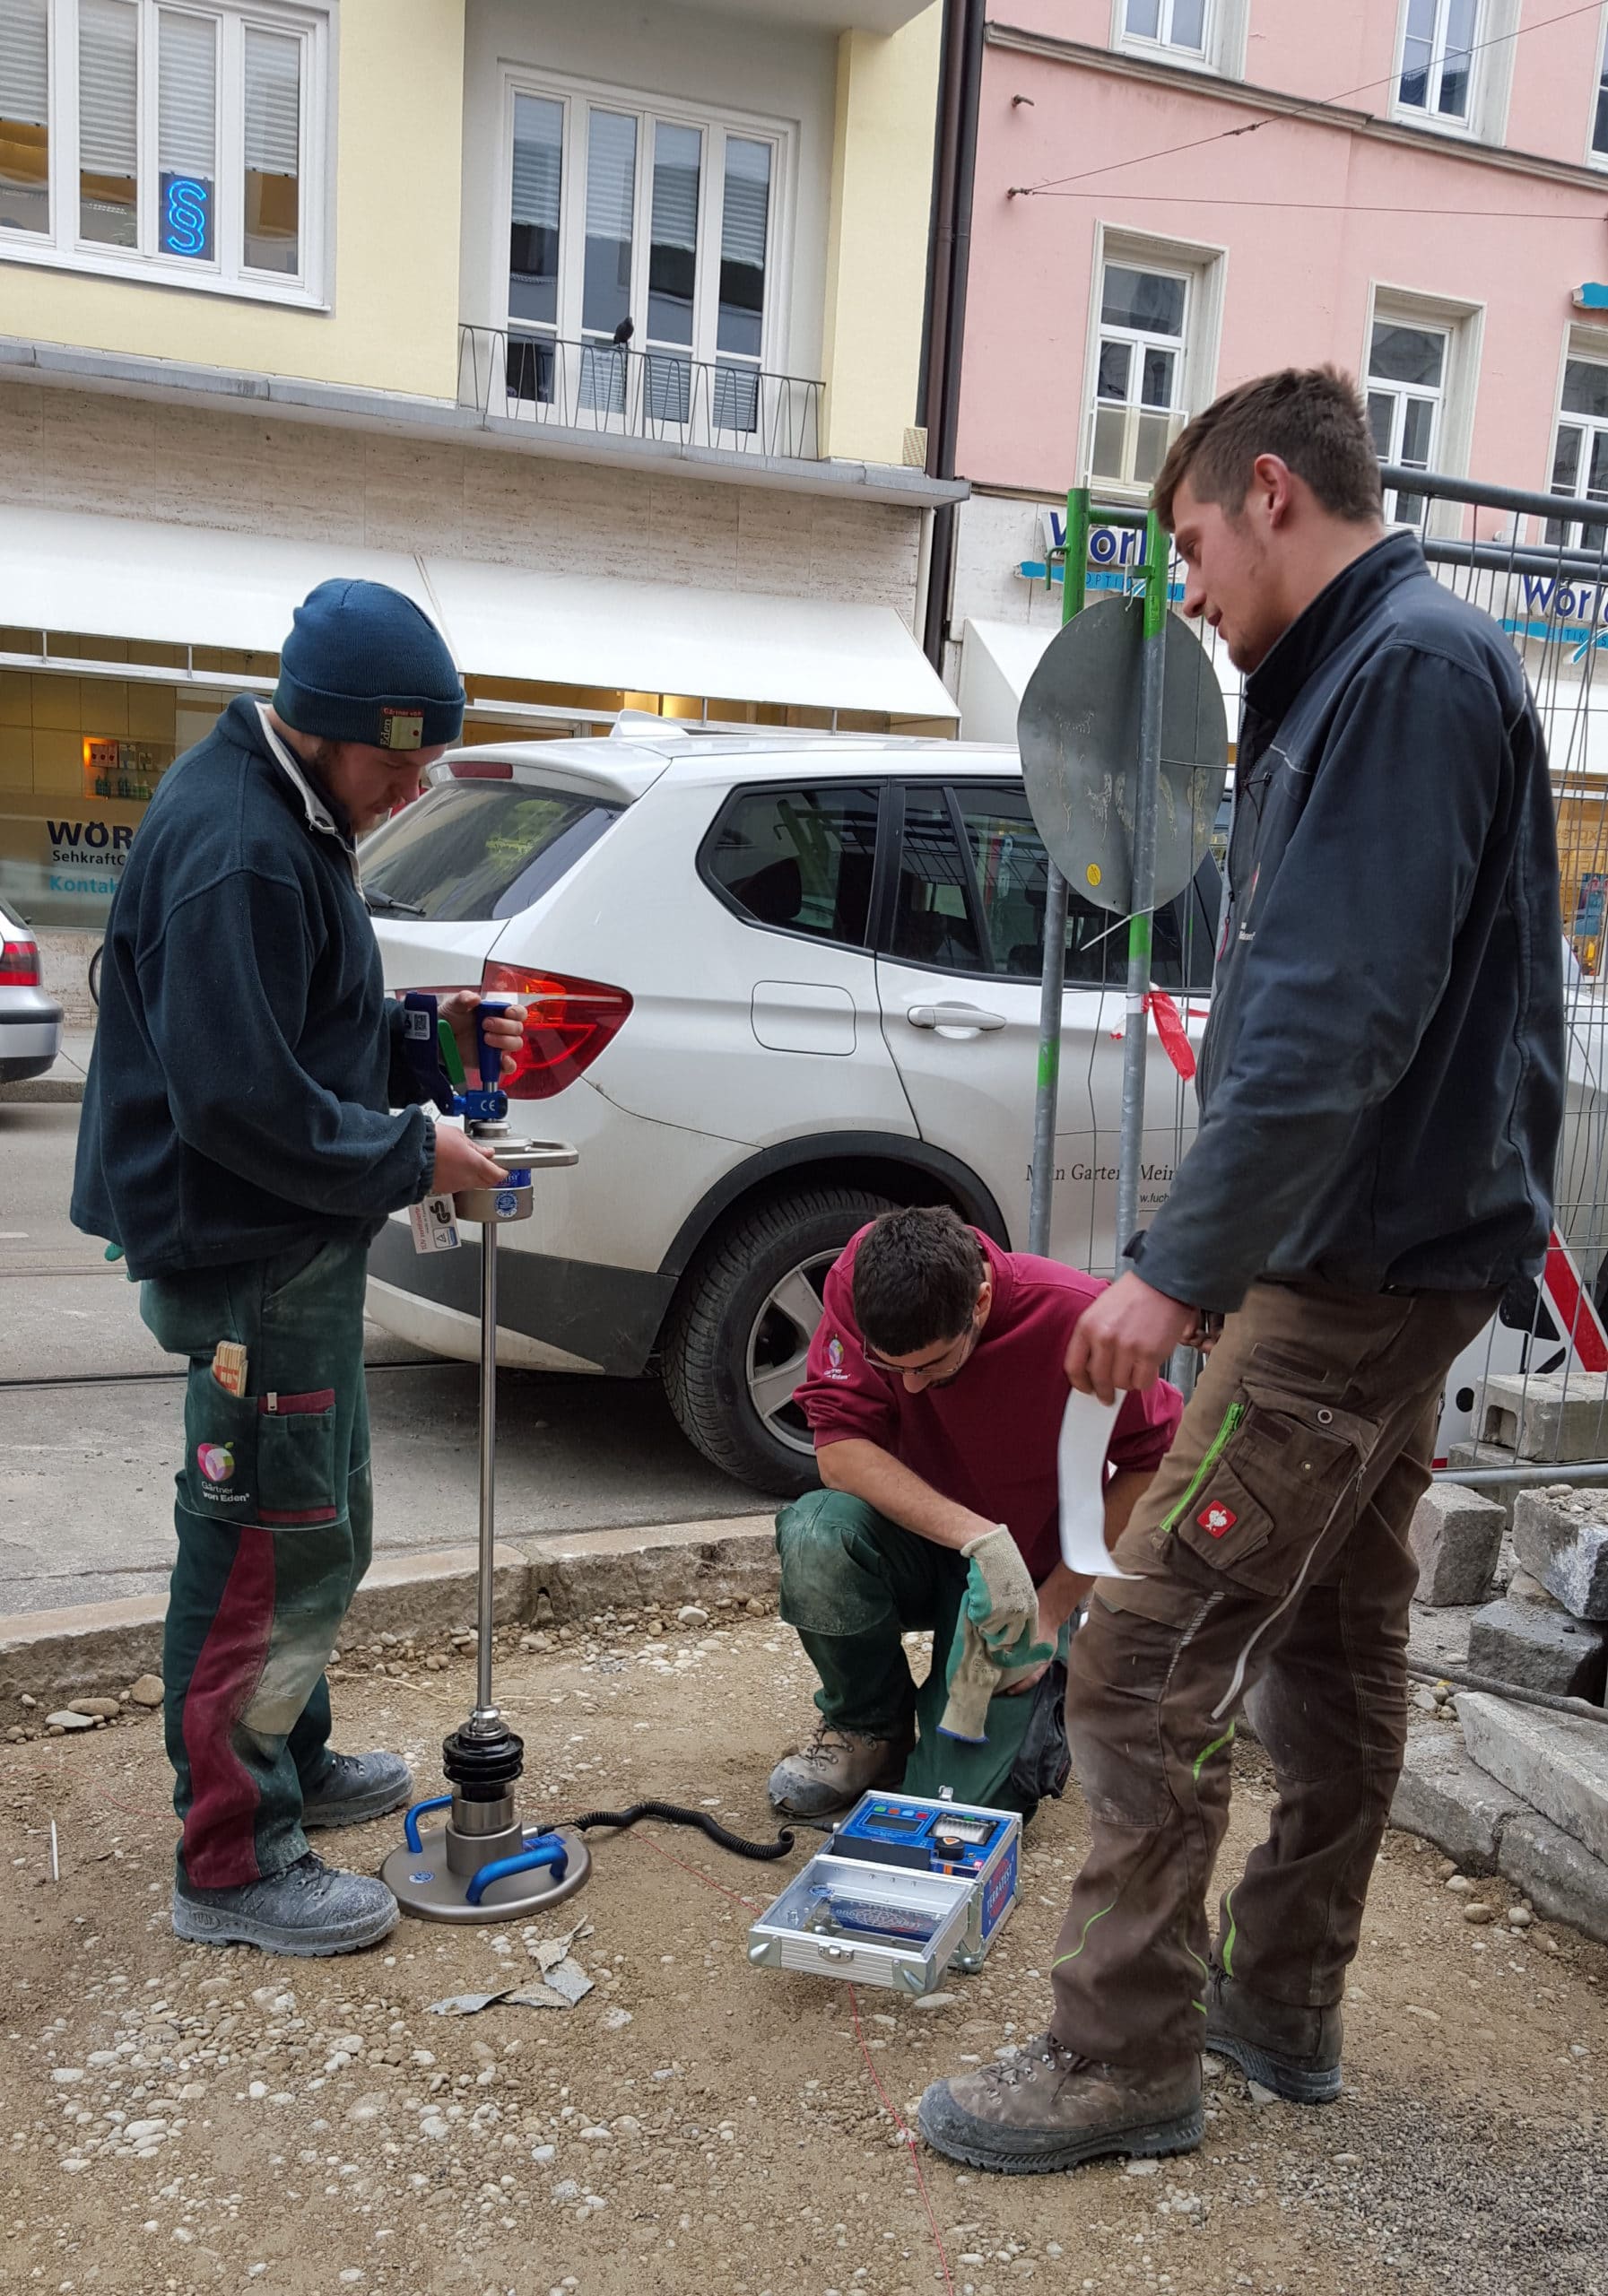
(389, 904)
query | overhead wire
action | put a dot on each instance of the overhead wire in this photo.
(1269, 119)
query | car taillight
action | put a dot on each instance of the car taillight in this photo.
(569, 1023)
(19, 964)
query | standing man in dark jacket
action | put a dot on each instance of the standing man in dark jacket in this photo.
(1381, 1097)
(238, 1142)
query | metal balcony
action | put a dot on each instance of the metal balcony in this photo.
(617, 392)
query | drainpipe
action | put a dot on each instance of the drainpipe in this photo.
(949, 258)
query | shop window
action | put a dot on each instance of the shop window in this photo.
(177, 147)
(1139, 371)
(1406, 386)
(1581, 451)
(797, 860)
(641, 261)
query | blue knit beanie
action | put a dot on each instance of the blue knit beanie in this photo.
(364, 663)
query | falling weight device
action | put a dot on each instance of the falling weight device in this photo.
(482, 1864)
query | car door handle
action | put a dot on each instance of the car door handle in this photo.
(953, 1016)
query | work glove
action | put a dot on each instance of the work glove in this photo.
(994, 1642)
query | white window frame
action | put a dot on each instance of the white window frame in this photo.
(1596, 156)
(575, 97)
(1204, 269)
(1489, 75)
(1223, 39)
(314, 22)
(1590, 344)
(1463, 327)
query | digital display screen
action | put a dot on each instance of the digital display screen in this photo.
(897, 1821)
(967, 1830)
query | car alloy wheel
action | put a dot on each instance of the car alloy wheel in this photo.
(779, 1345)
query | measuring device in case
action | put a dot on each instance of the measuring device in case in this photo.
(905, 1890)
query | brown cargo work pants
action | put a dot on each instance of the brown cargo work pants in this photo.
(1270, 1556)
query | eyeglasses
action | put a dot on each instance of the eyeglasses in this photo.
(950, 1357)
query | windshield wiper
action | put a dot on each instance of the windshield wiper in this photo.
(390, 904)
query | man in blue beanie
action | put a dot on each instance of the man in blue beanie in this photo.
(239, 1143)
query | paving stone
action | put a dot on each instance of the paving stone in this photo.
(1561, 1539)
(1560, 1878)
(1560, 1416)
(1446, 1796)
(1457, 1536)
(1557, 1762)
(1539, 1647)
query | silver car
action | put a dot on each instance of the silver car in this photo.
(29, 1021)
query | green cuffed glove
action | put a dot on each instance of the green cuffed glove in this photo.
(999, 1619)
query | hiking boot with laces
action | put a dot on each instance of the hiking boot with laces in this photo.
(830, 1774)
(349, 1790)
(309, 1910)
(1294, 2052)
(1047, 2108)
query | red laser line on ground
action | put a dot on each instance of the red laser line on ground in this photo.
(907, 2137)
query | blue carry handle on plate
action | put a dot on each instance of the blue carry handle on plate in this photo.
(420, 1022)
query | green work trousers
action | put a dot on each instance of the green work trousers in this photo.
(854, 1584)
(273, 1511)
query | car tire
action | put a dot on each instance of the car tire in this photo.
(727, 1330)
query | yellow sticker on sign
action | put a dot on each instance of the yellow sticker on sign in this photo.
(1092, 873)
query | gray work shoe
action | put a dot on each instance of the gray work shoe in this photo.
(309, 1910)
(349, 1790)
(1049, 2108)
(830, 1775)
(1294, 2052)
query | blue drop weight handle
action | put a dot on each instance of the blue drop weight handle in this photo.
(410, 1824)
(489, 1057)
(546, 1850)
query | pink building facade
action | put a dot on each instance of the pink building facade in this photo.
(1172, 196)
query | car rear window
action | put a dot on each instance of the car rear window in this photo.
(476, 848)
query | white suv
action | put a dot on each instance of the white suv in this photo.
(777, 983)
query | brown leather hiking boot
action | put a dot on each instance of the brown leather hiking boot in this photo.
(1049, 2108)
(1294, 2052)
(830, 1774)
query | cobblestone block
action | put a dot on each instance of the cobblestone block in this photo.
(1560, 1536)
(1560, 1878)
(1446, 1796)
(1557, 1762)
(1457, 1536)
(1539, 1647)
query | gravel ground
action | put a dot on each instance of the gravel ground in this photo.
(175, 2119)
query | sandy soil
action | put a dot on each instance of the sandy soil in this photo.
(175, 2119)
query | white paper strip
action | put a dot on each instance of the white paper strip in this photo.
(1081, 1466)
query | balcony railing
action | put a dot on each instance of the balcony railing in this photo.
(622, 393)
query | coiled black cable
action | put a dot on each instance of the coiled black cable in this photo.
(673, 1814)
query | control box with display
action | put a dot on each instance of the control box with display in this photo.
(905, 1890)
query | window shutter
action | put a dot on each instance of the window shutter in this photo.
(611, 175)
(746, 214)
(538, 154)
(24, 62)
(273, 103)
(677, 159)
(108, 83)
(187, 96)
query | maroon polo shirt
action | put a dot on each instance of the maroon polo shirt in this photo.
(987, 1441)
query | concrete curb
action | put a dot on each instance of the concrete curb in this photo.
(39, 1091)
(52, 1656)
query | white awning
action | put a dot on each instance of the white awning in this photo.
(134, 579)
(997, 658)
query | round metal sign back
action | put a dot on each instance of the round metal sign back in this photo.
(1078, 731)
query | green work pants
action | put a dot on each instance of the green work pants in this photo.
(273, 1511)
(854, 1584)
